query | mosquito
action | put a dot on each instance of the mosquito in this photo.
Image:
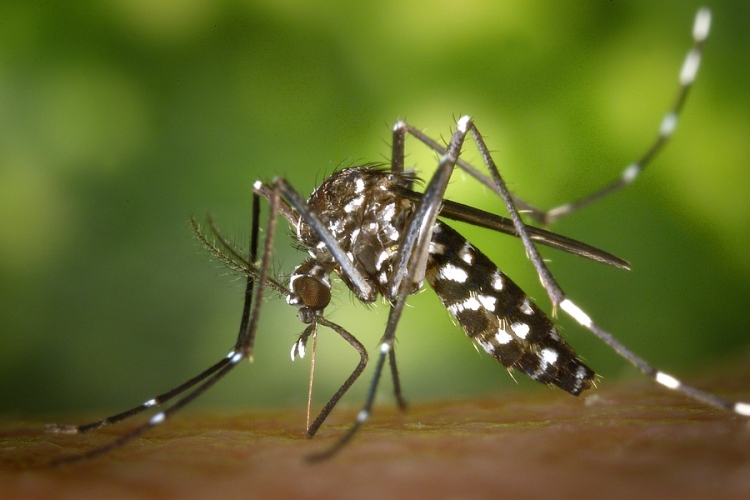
(384, 239)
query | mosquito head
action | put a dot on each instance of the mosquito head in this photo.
(310, 290)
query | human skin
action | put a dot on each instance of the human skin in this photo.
(619, 441)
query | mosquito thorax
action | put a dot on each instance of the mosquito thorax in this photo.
(363, 210)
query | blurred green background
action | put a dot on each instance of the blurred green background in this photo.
(120, 119)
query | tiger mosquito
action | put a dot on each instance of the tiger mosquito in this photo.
(382, 238)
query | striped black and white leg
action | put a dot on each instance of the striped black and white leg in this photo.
(688, 72)
(242, 350)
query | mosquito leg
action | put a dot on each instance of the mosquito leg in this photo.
(660, 377)
(413, 251)
(559, 298)
(167, 396)
(349, 381)
(151, 403)
(397, 148)
(155, 420)
(400, 401)
(250, 307)
(243, 349)
(498, 185)
(688, 72)
(364, 413)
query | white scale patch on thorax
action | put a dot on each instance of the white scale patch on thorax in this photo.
(354, 205)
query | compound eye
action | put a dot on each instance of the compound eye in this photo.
(314, 293)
